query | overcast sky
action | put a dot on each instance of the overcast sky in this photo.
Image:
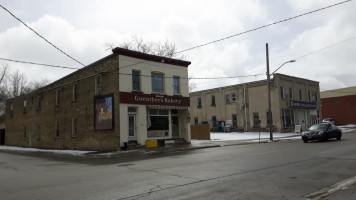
(82, 28)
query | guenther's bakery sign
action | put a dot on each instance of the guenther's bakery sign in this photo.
(152, 99)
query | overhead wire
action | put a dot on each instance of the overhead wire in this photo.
(250, 30)
(41, 36)
(32, 63)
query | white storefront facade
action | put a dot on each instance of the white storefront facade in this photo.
(154, 98)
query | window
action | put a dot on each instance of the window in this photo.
(291, 93)
(24, 106)
(74, 127)
(282, 92)
(11, 109)
(300, 94)
(213, 100)
(234, 120)
(98, 84)
(136, 80)
(256, 120)
(157, 83)
(316, 96)
(227, 98)
(287, 118)
(58, 96)
(131, 110)
(213, 119)
(199, 102)
(309, 95)
(38, 132)
(38, 100)
(75, 92)
(56, 127)
(159, 120)
(196, 120)
(269, 121)
(176, 85)
(233, 97)
(24, 132)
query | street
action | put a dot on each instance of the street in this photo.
(279, 170)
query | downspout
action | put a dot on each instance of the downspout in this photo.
(245, 104)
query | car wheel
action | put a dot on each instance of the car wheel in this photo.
(305, 140)
(338, 137)
(325, 138)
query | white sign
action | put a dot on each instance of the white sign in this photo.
(297, 128)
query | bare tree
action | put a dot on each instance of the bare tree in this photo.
(13, 84)
(192, 85)
(158, 48)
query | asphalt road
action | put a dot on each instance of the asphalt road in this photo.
(279, 170)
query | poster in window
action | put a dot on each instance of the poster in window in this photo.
(104, 113)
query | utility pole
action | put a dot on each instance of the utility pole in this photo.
(269, 96)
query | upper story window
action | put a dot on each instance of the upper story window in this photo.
(38, 99)
(136, 80)
(74, 127)
(309, 95)
(233, 97)
(291, 93)
(58, 96)
(157, 82)
(75, 92)
(98, 84)
(11, 109)
(316, 96)
(25, 106)
(176, 85)
(300, 94)
(227, 98)
(199, 102)
(213, 100)
(282, 92)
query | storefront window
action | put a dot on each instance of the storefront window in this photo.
(159, 119)
(287, 118)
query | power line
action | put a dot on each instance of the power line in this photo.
(251, 30)
(316, 51)
(42, 36)
(32, 63)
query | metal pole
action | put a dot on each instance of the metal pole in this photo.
(269, 96)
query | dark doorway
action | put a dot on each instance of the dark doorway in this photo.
(2, 136)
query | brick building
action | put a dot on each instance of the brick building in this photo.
(244, 106)
(339, 104)
(126, 96)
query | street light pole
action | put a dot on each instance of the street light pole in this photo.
(269, 115)
(269, 96)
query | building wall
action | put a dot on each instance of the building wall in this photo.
(146, 68)
(342, 109)
(252, 99)
(40, 122)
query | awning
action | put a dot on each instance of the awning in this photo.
(161, 107)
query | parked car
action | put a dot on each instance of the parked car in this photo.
(329, 120)
(322, 132)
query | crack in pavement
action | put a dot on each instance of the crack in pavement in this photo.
(145, 194)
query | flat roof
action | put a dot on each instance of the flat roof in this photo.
(253, 82)
(338, 92)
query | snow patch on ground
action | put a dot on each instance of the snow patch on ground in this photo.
(67, 152)
(248, 136)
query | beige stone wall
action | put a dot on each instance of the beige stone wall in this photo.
(42, 121)
(257, 102)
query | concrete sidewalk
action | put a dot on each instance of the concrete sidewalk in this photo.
(195, 144)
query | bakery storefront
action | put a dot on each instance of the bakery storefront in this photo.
(149, 117)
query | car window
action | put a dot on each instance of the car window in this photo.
(332, 125)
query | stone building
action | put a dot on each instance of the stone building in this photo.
(127, 96)
(295, 101)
